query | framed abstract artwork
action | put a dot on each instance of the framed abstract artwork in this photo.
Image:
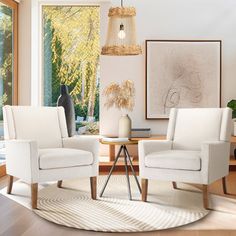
(182, 74)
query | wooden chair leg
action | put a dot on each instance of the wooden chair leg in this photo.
(144, 183)
(205, 196)
(59, 183)
(34, 195)
(93, 184)
(10, 183)
(224, 185)
(174, 185)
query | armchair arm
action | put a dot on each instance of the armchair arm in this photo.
(90, 144)
(215, 160)
(148, 146)
(22, 159)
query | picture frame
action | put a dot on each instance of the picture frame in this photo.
(181, 74)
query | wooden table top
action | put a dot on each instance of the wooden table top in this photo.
(153, 137)
(133, 141)
(161, 137)
(130, 142)
(233, 139)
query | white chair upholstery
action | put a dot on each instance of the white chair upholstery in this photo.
(174, 159)
(196, 150)
(53, 158)
(38, 148)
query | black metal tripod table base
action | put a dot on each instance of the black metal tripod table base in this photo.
(126, 159)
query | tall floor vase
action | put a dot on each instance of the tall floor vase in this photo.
(65, 100)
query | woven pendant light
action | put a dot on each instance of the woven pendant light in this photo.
(121, 35)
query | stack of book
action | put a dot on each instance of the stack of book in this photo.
(141, 133)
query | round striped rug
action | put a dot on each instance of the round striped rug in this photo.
(166, 208)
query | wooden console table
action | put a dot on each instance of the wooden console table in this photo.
(2, 170)
(232, 163)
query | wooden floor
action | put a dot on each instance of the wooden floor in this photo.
(17, 220)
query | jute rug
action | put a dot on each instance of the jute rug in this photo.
(72, 205)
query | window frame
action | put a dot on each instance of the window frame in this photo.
(14, 6)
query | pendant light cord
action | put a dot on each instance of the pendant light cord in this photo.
(121, 3)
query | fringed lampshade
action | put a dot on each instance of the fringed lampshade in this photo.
(121, 35)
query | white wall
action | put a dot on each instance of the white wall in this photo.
(156, 19)
(171, 19)
(24, 70)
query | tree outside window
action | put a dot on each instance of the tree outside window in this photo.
(71, 56)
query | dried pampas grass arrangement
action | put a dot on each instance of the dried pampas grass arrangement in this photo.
(120, 96)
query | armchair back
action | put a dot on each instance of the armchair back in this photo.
(188, 128)
(45, 125)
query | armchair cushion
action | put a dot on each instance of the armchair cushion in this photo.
(174, 159)
(53, 158)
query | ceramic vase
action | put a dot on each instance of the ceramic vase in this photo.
(125, 126)
(65, 100)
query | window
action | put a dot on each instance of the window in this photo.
(8, 61)
(71, 48)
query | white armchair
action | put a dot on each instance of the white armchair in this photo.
(38, 148)
(196, 150)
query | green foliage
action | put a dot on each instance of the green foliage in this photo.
(56, 65)
(96, 108)
(81, 110)
(75, 48)
(6, 62)
(79, 125)
(232, 104)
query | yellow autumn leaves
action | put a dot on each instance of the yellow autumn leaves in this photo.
(77, 28)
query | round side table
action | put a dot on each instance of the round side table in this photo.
(127, 160)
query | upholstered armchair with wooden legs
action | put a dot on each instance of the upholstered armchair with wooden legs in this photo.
(196, 150)
(38, 148)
